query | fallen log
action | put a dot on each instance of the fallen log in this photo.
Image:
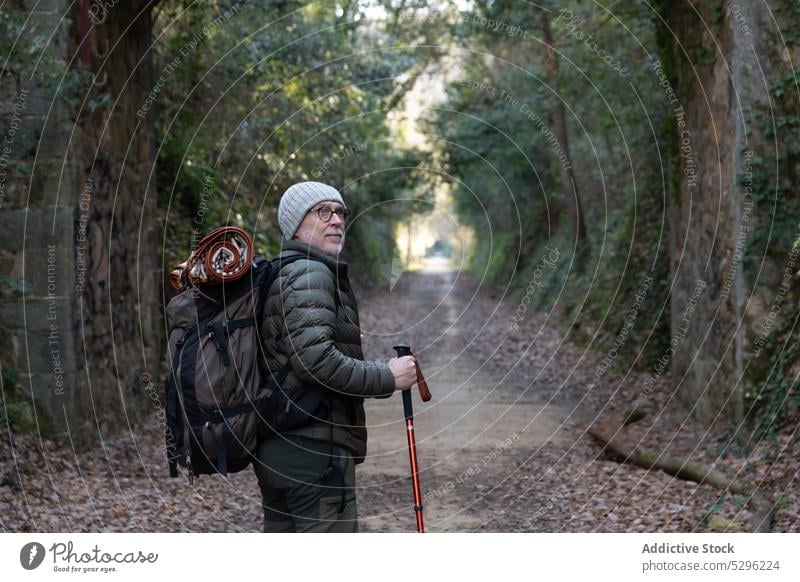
(610, 434)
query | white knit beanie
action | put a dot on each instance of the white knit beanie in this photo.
(298, 200)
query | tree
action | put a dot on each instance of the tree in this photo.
(558, 116)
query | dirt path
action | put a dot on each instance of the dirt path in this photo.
(502, 445)
(465, 434)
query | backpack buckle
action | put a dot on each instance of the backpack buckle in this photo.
(214, 417)
(189, 469)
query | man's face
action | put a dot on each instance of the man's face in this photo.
(326, 236)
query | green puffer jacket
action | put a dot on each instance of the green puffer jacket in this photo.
(321, 339)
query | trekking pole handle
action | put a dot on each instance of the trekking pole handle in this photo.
(403, 350)
(424, 391)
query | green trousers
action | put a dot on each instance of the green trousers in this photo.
(306, 486)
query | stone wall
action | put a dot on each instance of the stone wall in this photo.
(78, 258)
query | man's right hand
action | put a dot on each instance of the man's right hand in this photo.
(405, 372)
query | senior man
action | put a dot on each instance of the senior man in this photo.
(306, 468)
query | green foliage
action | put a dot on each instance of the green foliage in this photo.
(774, 196)
(16, 409)
(497, 139)
(787, 15)
(274, 95)
(28, 60)
(21, 42)
(14, 284)
(774, 400)
(772, 397)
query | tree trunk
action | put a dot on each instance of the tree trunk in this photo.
(119, 298)
(727, 241)
(559, 123)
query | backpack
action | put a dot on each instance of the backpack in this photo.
(218, 396)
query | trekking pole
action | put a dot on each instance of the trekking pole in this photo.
(425, 394)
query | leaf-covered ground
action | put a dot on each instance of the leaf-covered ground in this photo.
(503, 444)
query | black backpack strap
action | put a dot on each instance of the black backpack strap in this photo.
(187, 434)
(175, 407)
(222, 447)
(171, 426)
(338, 471)
(219, 331)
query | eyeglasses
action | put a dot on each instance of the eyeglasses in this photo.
(325, 213)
